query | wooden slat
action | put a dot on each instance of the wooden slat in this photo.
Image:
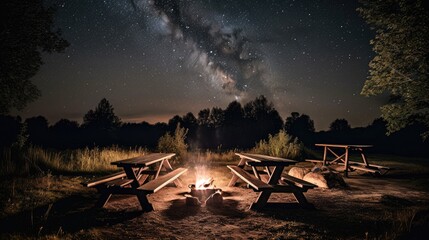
(118, 182)
(264, 158)
(297, 182)
(342, 145)
(366, 169)
(314, 160)
(104, 179)
(249, 179)
(144, 160)
(269, 163)
(162, 181)
(370, 165)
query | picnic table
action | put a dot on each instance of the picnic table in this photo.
(341, 154)
(267, 178)
(135, 178)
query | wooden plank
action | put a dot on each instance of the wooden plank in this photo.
(369, 165)
(366, 169)
(264, 158)
(144, 160)
(249, 179)
(269, 163)
(118, 182)
(314, 160)
(298, 182)
(162, 181)
(342, 145)
(104, 179)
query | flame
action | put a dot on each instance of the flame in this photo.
(203, 183)
(203, 180)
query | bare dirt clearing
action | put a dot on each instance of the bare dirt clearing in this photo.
(385, 207)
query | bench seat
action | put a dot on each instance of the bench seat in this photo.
(298, 182)
(255, 183)
(104, 179)
(160, 182)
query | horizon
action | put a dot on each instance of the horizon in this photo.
(154, 119)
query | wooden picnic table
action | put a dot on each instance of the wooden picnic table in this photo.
(134, 179)
(137, 168)
(267, 178)
(341, 154)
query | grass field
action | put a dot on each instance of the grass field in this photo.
(46, 201)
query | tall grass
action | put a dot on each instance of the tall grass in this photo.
(33, 160)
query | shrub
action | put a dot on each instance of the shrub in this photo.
(280, 145)
(174, 143)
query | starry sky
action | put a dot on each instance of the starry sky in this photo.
(155, 59)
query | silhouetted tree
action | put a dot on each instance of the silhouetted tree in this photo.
(301, 126)
(102, 118)
(204, 117)
(37, 128)
(339, 125)
(233, 133)
(9, 130)
(26, 30)
(217, 117)
(172, 123)
(203, 136)
(190, 123)
(101, 124)
(234, 114)
(262, 119)
(65, 134)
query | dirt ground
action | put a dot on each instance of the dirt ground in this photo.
(389, 207)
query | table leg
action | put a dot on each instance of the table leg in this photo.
(277, 173)
(255, 172)
(132, 175)
(261, 201)
(346, 170)
(168, 166)
(104, 198)
(144, 202)
(324, 155)
(263, 196)
(300, 198)
(363, 157)
(159, 169)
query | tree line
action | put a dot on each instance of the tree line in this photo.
(235, 127)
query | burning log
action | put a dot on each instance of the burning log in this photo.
(204, 191)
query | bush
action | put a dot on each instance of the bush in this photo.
(280, 145)
(174, 144)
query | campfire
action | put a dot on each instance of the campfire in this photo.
(204, 191)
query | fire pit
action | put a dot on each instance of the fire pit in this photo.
(204, 191)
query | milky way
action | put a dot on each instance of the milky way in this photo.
(224, 53)
(155, 59)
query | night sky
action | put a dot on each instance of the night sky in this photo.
(155, 59)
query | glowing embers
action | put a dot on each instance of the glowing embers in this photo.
(204, 191)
